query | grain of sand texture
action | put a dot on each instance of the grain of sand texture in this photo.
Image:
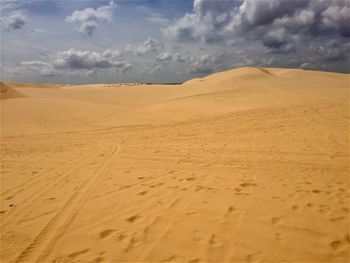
(247, 165)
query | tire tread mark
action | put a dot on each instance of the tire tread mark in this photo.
(42, 191)
(36, 251)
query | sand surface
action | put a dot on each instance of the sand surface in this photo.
(248, 165)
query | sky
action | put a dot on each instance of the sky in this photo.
(104, 41)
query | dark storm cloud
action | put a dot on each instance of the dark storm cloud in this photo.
(230, 18)
(283, 27)
(262, 12)
(276, 39)
(336, 17)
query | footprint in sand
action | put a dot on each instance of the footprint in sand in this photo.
(340, 245)
(215, 241)
(295, 207)
(253, 258)
(132, 218)
(275, 220)
(336, 244)
(309, 204)
(121, 236)
(337, 219)
(230, 209)
(247, 184)
(99, 259)
(106, 233)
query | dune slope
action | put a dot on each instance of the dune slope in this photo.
(7, 92)
(248, 165)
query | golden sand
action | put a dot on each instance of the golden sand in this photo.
(247, 165)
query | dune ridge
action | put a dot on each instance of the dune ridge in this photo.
(246, 165)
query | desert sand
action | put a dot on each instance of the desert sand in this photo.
(247, 165)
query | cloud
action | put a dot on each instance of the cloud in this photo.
(165, 57)
(211, 22)
(254, 13)
(154, 69)
(157, 19)
(279, 41)
(88, 19)
(332, 50)
(79, 62)
(10, 5)
(14, 21)
(206, 36)
(205, 23)
(275, 28)
(337, 17)
(170, 57)
(206, 64)
(201, 66)
(78, 59)
(150, 45)
(40, 67)
(276, 38)
(306, 65)
(86, 60)
(183, 29)
(35, 63)
(32, 6)
(300, 21)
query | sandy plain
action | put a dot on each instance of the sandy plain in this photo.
(247, 165)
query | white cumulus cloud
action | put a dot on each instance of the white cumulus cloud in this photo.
(85, 60)
(150, 45)
(88, 19)
(14, 21)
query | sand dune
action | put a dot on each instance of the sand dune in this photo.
(7, 92)
(247, 165)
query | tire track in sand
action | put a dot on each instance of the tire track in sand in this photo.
(33, 181)
(39, 249)
(54, 180)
